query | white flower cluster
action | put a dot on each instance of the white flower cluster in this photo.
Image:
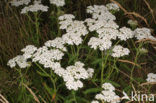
(28, 51)
(107, 95)
(37, 6)
(56, 43)
(21, 60)
(113, 7)
(132, 22)
(58, 2)
(50, 56)
(74, 29)
(47, 57)
(143, 33)
(73, 74)
(119, 51)
(103, 44)
(151, 77)
(100, 12)
(19, 2)
(102, 22)
(18, 60)
(125, 33)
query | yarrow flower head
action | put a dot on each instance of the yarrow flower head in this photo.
(107, 95)
(58, 2)
(19, 60)
(56, 43)
(22, 60)
(100, 13)
(151, 77)
(119, 51)
(46, 56)
(73, 74)
(102, 44)
(74, 29)
(95, 101)
(28, 51)
(125, 33)
(20, 2)
(108, 86)
(132, 23)
(143, 33)
(37, 6)
(113, 7)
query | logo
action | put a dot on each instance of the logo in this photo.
(138, 96)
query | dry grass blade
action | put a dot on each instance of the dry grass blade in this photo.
(152, 13)
(42, 99)
(130, 13)
(147, 83)
(35, 97)
(146, 40)
(127, 61)
(3, 99)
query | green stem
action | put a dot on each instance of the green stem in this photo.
(37, 27)
(103, 65)
(79, 47)
(135, 61)
(58, 27)
(52, 80)
(73, 92)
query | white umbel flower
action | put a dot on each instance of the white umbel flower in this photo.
(37, 6)
(100, 13)
(58, 2)
(72, 39)
(113, 6)
(107, 95)
(119, 51)
(77, 71)
(143, 33)
(74, 73)
(108, 87)
(95, 101)
(125, 33)
(28, 51)
(47, 57)
(56, 43)
(96, 9)
(151, 77)
(108, 33)
(102, 44)
(132, 22)
(90, 72)
(18, 60)
(20, 2)
(11, 63)
(74, 85)
(66, 17)
(74, 29)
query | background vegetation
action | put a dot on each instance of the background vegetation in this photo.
(16, 32)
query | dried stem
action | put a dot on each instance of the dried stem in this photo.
(152, 13)
(33, 94)
(130, 13)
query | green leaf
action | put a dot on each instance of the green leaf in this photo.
(48, 89)
(96, 61)
(70, 100)
(82, 100)
(92, 90)
(42, 74)
(113, 83)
